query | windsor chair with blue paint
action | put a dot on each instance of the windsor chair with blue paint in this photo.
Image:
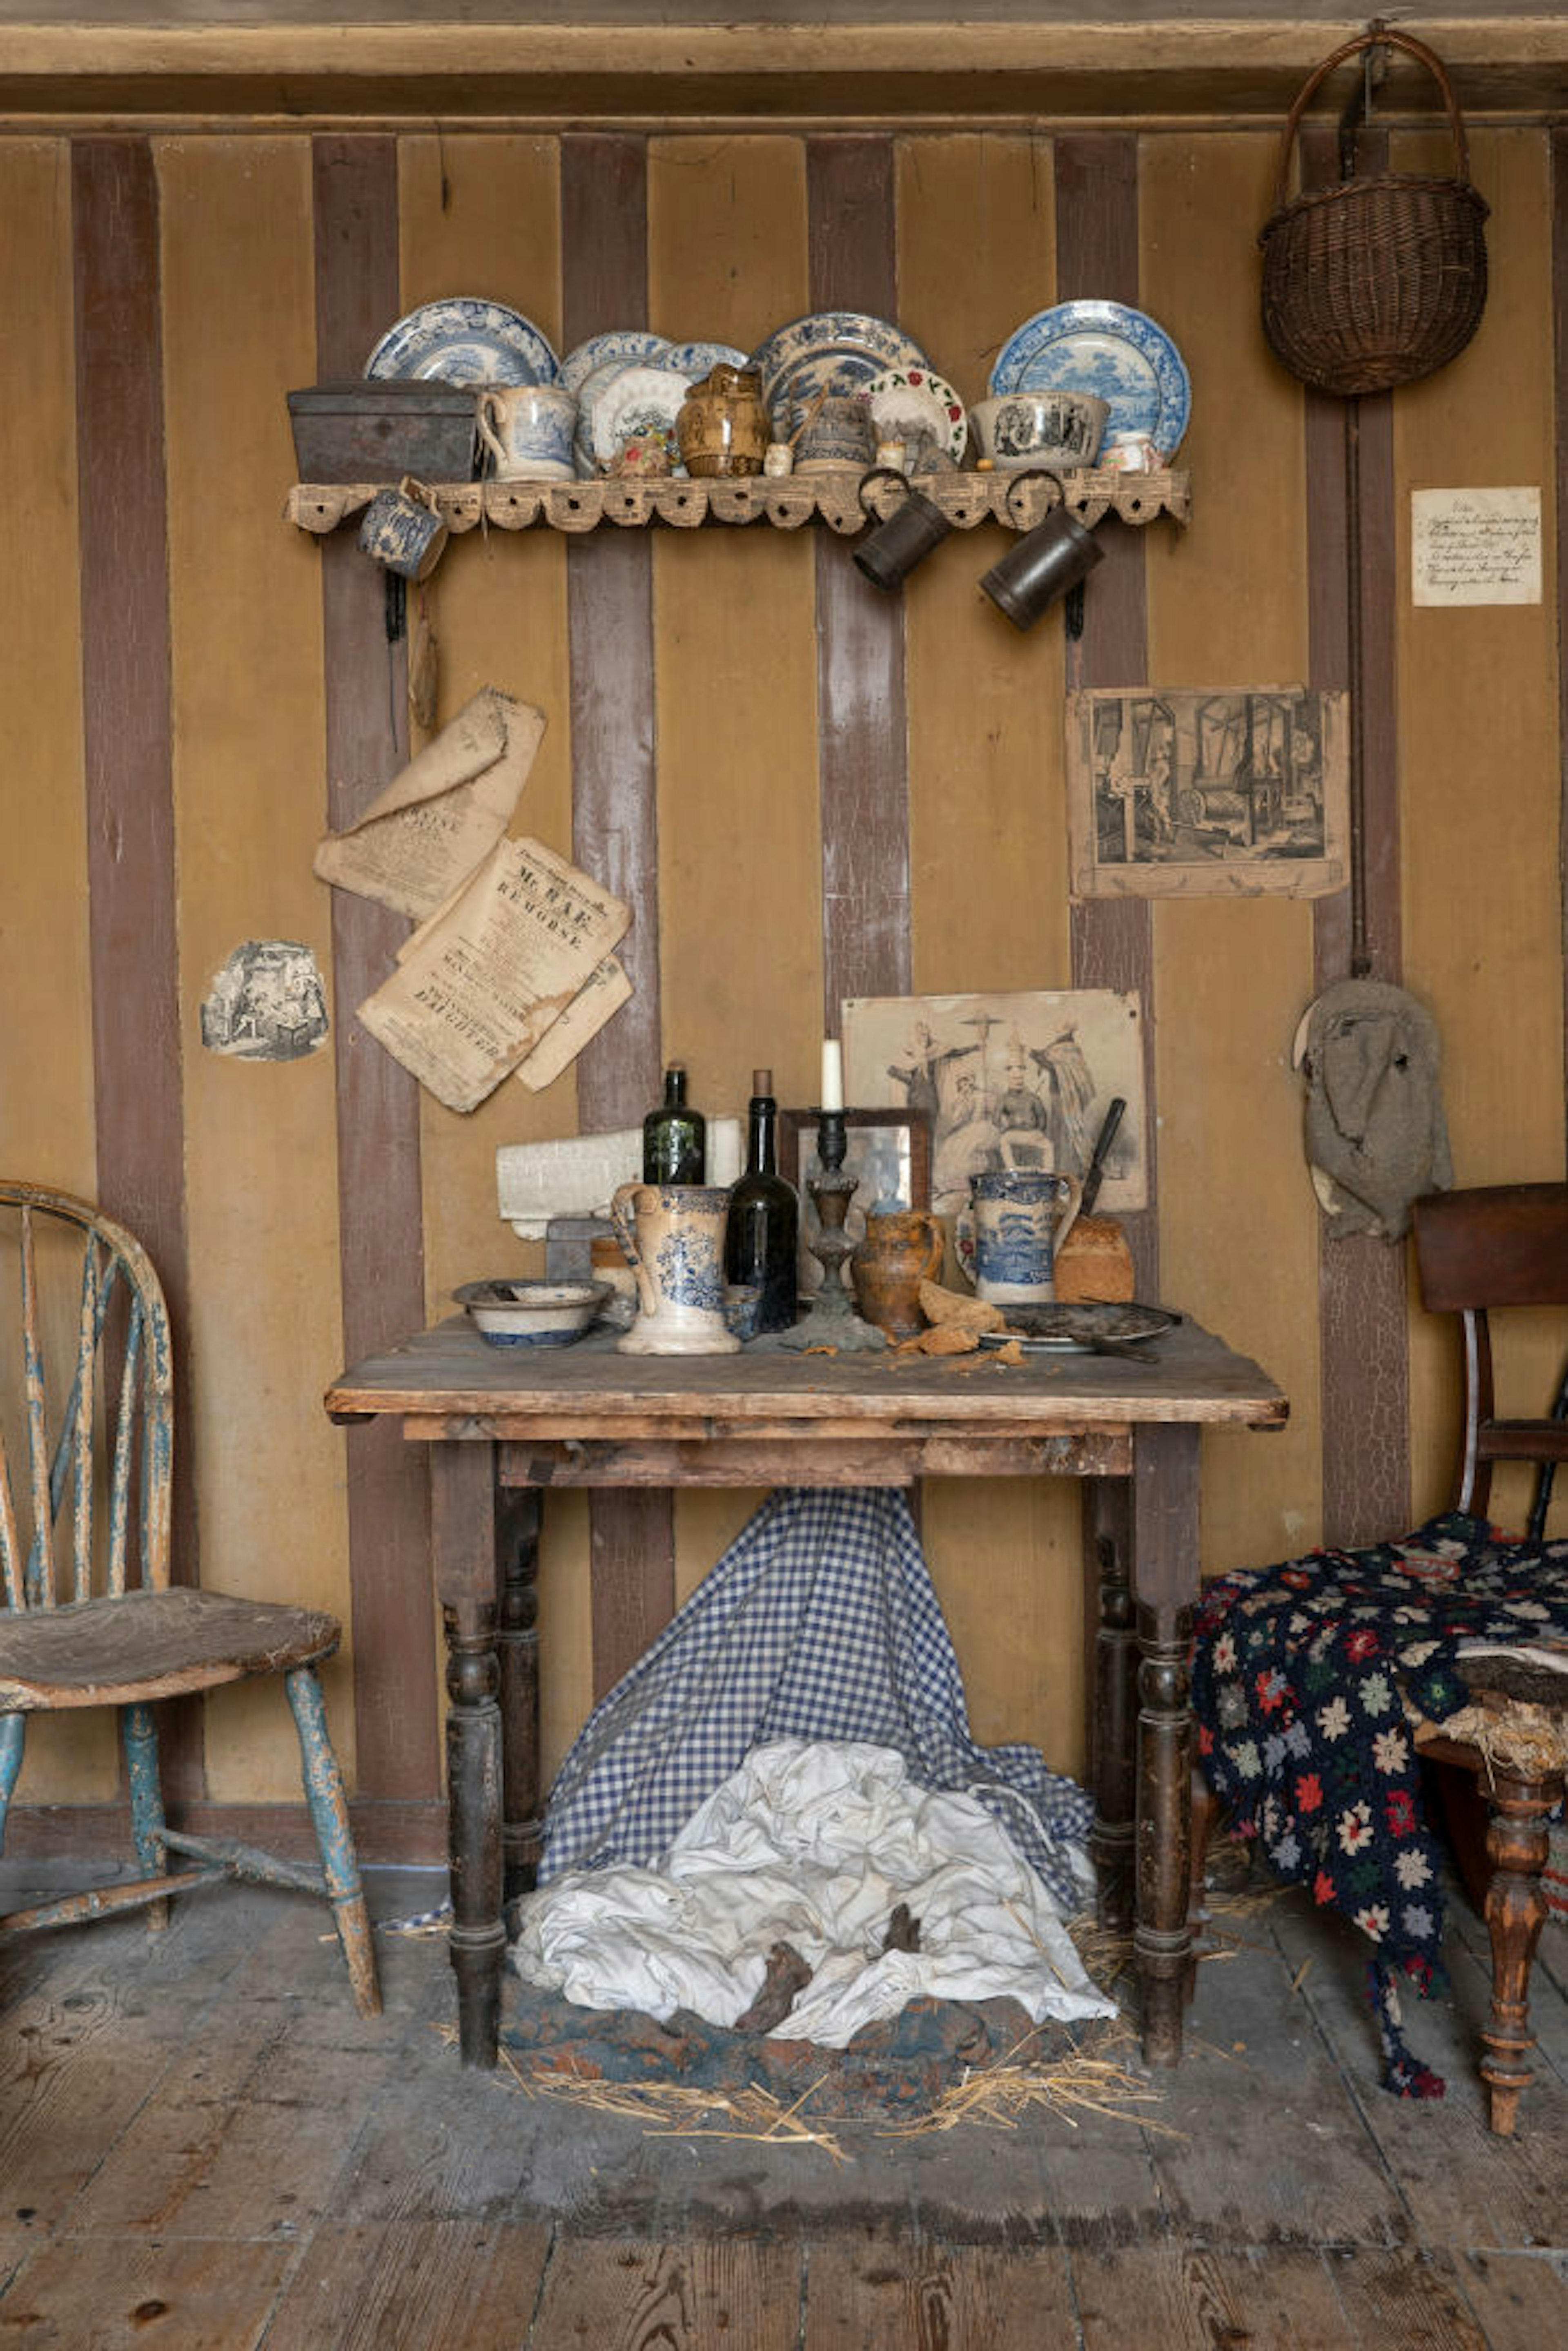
(89, 1616)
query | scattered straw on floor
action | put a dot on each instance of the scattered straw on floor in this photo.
(1088, 2081)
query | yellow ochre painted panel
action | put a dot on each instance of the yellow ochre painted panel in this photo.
(47, 1122)
(1239, 1226)
(977, 254)
(262, 1217)
(1480, 785)
(740, 882)
(497, 604)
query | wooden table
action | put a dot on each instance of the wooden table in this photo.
(503, 1424)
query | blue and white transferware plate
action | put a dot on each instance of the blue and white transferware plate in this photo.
(464, 340)
(621, 347)
(863, 347)
(696, 360)
(1106, 349)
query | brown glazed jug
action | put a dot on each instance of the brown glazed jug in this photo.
(723, 427)
(901, 1248)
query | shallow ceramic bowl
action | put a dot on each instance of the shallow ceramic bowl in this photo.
(1054, 430)
(529, 1313)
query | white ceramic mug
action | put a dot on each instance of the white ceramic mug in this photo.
(526, 429)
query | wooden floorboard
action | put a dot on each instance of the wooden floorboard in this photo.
(202, 2145)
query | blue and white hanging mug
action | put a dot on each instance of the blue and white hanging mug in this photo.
(1007, 1237)
(402, 530)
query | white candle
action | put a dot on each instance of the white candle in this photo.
(832, 1075)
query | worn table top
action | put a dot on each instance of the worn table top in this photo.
(448, 1382)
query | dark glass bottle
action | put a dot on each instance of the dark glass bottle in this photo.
(674, 1136)
(759, 1240)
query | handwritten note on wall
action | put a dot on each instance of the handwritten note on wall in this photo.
(1475, 546)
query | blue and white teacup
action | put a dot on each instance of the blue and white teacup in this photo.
(527, 430)
(402, 530)
(1007, 1237)
(673, 1238)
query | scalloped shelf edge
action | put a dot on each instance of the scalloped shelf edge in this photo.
(1016, 501)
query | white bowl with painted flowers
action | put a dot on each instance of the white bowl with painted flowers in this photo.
(529, 1312)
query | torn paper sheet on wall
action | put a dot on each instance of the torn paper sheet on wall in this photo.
(478, 985)
(422, 837)
(605, 990)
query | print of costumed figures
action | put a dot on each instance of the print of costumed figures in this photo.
(998, 1103)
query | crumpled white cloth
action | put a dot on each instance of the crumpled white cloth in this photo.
(812, 1843)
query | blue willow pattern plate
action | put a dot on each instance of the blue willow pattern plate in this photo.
(696, 360)
(620, 346)
(464, 340)
(1118, 354)
(861, 345)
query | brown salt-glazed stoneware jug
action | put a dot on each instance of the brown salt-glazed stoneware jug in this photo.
(901, 1248)
(723, 427)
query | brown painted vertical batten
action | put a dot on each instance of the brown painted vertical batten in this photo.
(127, 719)
(380, 1205)
(615, 830)
(864, 768)
(1363, 1336)
(1113, 938)
(1560, 355)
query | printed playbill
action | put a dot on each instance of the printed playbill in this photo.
(422, 837)
(481, 983)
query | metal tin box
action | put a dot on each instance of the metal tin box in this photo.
(376, 432)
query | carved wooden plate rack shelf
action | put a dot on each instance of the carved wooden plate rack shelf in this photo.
(966, 499)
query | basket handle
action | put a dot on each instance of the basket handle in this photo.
(1389, 37)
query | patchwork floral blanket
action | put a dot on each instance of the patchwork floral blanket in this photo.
(1297, 1676)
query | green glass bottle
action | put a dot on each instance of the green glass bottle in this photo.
(674, 1136)
(761, 1234)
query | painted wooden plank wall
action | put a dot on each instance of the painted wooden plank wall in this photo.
(784, 761)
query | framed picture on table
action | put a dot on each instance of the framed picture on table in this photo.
(888, 1150)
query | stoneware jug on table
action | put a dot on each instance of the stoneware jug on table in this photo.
(672, 1236)
(901, 1247)
(1007, 1237)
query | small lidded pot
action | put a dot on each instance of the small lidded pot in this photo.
(722, 426)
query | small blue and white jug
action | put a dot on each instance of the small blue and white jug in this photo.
(1007, 1237)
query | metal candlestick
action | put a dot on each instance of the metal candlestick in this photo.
(832, 1319)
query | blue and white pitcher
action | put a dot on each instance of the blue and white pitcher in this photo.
(1007, 1237)
(672, 1236)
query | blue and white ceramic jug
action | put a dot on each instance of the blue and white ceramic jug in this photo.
(672, 1236)
(1007, 1237)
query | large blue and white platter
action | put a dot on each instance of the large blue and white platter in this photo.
(1117, 353)
(464, 340)
(697, 360)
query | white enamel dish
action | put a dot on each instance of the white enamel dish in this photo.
(529, 1312)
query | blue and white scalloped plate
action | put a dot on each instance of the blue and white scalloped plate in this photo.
(697, 360)
(617, 347)
(841, 349)
(1120, 355)
(464, 340)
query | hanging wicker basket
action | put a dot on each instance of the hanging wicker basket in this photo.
(1373, 281)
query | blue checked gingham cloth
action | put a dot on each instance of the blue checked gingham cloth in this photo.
(820, 1622)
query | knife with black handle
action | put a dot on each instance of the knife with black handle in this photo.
(1103, 1142)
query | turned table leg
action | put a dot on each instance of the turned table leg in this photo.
(463, 1532)
(1108, 1530)
(518, 1516)
(1518, 1843)
(1166, 1578)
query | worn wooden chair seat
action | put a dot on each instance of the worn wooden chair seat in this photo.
(1478, 1252)
(89, 1617)
(152, 1645)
